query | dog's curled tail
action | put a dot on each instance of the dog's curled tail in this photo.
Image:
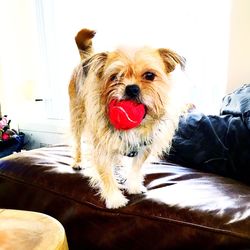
(84, 42)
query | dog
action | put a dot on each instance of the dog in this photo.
(141, 75)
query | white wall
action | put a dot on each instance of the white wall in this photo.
(217, 61)
(239, 46)
(197, 29)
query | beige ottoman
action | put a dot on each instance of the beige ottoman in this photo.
(25, 230)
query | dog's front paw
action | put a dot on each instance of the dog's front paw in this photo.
(76, 166)
(116, 200)
(137, 188)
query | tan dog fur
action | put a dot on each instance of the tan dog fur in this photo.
(104, 76)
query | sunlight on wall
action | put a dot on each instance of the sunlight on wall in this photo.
(198, 30)
(38, 51)
(18, 61)
(239, 58)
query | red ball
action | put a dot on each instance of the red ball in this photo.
(125, 114)
(5, 136)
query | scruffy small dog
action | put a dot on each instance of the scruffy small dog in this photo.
(141, 76)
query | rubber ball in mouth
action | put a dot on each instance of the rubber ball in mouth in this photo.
(126, 114)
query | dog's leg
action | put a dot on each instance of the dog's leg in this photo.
(135, 177)
(109, 188)
(77, 153)
(77, 125)
(83, 40)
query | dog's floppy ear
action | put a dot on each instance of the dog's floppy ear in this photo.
(95, 63)
(84, 42)
(170, 59)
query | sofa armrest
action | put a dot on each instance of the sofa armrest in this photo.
(182, 209)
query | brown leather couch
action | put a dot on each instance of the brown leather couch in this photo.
(182, 209)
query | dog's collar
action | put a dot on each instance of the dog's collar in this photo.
(134, 149)
(133, 153)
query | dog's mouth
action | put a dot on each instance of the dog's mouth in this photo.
(139, 102)
(146, 109)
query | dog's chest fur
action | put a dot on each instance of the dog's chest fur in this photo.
(133, 144)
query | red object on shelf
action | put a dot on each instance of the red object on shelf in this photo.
(5, 136)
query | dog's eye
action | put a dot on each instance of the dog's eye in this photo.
(114, 77)
(149, 76)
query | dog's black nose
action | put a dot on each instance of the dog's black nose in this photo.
(132, 91)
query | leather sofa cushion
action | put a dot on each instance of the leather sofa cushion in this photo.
(182, 209)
